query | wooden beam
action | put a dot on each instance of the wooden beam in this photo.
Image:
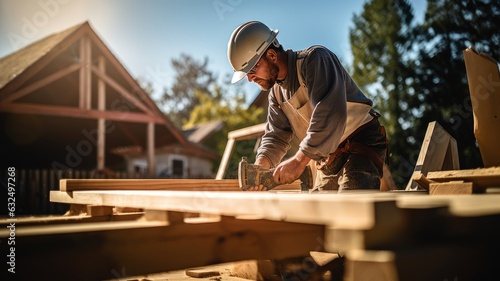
(451, 188)
(145, 102)
(144, 98)
(101, 122)
(345, 211)
(42, 82)
(224, 162)
(370, 265)
(97, 211)
(351, 212)
(422, 180)
(151, 148)
(438, 152)
(66, 111)
(251, 132)
(162, 184)
(148, 184)
(85, 89)
(166, 216)
(52, 220)
(120, 89)
(482, 178)
(108, 249)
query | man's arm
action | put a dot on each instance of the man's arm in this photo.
(277, 136)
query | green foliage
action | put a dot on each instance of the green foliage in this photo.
(416, 73)
(380, 42)
(191, 76)
(233, 111)
(440, 81)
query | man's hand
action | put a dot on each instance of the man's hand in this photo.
(291, 169)
(264, 163)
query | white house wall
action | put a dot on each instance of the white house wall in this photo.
(193, 167)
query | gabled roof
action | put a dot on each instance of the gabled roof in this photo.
(14, 64)
(56, 89)
(200, 132)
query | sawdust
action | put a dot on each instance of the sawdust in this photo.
(235, 271)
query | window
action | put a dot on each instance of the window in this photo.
(177, 168)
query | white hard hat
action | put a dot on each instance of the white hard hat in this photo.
(246, 45)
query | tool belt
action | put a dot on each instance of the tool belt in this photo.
(351, 146)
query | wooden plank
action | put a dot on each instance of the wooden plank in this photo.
(120, 89)
(93, 210)
(101, 122)
(482, 177)
(451, 161)
(162, 184)
(483, 77)
(251, 132)
(148, 184)
(105, 248)
(371, 265)
(42, 82)
(348, 211)
(85, 83)
(47, 220)
(365, 220)
(354, 221)
(450, 188)
(150, 137)
(166, 216)
(225, 159)
(201, 272)
(143, 98)
(66, 111)
(354, 211)
(438, 151)
(422, 180)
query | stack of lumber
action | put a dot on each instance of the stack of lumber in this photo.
(481, 180)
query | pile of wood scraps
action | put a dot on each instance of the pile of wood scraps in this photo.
(481, 180)
(437, 168)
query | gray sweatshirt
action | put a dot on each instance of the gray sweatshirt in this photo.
(338, 106)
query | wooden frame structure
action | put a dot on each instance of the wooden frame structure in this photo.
(252, 132)
(72, 77)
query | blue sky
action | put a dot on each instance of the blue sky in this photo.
(145, 35)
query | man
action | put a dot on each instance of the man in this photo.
(311, 96)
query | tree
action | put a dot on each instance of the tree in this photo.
(230, 108)
(381, 40)
(440, 81)
(191, 76)
(420, 70)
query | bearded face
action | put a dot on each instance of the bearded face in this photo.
(265, 75)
